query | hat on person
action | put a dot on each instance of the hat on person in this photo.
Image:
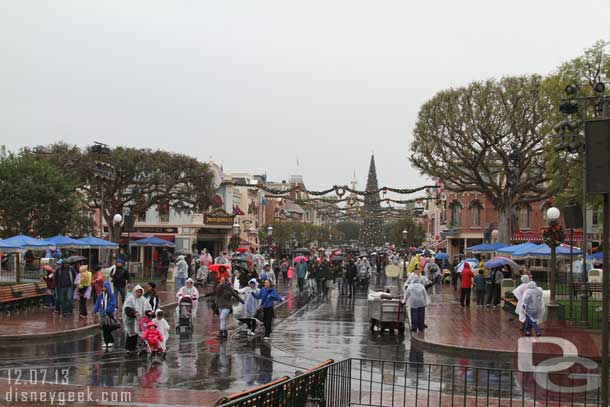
(83, 269)
(189, 280)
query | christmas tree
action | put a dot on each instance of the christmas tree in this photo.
(371, 232)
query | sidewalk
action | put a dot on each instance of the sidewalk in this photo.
(489, 332)
(39, 324)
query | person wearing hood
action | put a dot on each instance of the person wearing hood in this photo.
(416, 297)
(519, 294)
(182, 272)
(251, 304)
(191, 291)
(269, 273)
(104, 308)
(533, 305)
(64, 288)
(49, 279)
(134, 308)
(268, 295)
(224, 296)
(163, 327)
(83, 283)
(465, 289)
(97, 282)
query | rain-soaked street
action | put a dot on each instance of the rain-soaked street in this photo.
(307, 331)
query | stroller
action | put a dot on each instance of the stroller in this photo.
(363, 277)
(185, 315)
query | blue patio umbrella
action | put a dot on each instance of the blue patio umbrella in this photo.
(27, 242)
(544, 250)
(517, 247)
(596, 256)
(153, 242)
(441, 256)
(486, 247)
(97, 243)
(65, 242)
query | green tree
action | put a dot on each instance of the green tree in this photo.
(346, 231)
(38, 199)
(415, 232)
(143, 179)
(371, 232)
(488, 137)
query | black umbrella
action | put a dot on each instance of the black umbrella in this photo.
(75, 259)
(303, 250)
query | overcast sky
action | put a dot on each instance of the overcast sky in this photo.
(258, 84)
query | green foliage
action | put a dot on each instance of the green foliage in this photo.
(415, 233)
(346, 231)
(470, 137)
(304, 233)
(143, 179)
(38, 199)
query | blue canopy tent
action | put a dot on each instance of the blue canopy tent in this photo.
(96, 242)
(64, 242)
(517, 248)
(27, 242)
(543, 250)
(596, 256)
(486, 247)
(153, 242)
(9, 248)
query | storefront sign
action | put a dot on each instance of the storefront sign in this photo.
(218, 217)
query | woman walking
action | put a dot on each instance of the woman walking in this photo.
(268, 295)
(134, 309)
(182, 272)
(84, 289)
(250, 307)
(225, 296)
(104, 308)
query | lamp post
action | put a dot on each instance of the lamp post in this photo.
(405, 234)
(235, 238)
(552, 215)
(270, 238)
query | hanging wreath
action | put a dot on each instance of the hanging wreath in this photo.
(554, 235)
(340, 192)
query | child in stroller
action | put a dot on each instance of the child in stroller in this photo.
(153, 339)
(201, 279)
(145, 320)
(184, 315)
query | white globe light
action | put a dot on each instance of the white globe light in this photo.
(118, 218)
(553, 214)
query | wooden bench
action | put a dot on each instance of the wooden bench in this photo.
(21, 296)
(591, 288)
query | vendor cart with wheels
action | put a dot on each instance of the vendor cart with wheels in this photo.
(386, 313)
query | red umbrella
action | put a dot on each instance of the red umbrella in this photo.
(241, 249)
(216, 267)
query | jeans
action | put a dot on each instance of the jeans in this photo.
(301, 282)
(465, 296)
(418, 316)
(349, 283)
(50, 299)
(66, 299)
(311, 285)
(224, 314)
(341, 285)
(480, 296)
(117, 291)
(180, 282)
(531, 324)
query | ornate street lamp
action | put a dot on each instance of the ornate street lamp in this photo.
(553, 236)
(235, 238)
(270, 238)
(405, 235)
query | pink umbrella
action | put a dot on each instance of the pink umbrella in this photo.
(299, 258)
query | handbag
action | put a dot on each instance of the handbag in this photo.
(110, 323)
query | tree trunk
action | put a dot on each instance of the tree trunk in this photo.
(505, 223)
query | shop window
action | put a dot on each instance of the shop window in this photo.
(163, 209)
(475, 213)
(456, 213)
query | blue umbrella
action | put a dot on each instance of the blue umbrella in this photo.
(441, 256)
(473, 263)
(66, 242)
(498, 262)
(96, 242)
(517, 247)
(27, 242)
(544, 250)
(153, 242)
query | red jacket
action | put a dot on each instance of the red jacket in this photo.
(152, 336)
(467, 276)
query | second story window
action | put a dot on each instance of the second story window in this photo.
(163, 209)
(456, 213)
(475, 213)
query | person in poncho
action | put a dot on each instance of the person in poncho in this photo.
(416, 297)
(250, 306)
(519, 294)
(134, 308)
(533, 306)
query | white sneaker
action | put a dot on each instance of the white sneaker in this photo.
(251, 333)
(266, 338)
(110, 345)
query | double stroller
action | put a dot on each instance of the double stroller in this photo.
(185, 309)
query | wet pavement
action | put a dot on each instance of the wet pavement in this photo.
(307, 331)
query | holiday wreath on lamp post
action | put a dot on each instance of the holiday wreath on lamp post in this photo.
(553, 235)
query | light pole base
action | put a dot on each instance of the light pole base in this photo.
(552, 313)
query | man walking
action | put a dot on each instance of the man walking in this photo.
(301, 269)
(120, 278)
(64, 285)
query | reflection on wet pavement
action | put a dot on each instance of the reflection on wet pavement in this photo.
(306, 333)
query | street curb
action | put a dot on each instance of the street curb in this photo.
(80, 332)
(457, 351)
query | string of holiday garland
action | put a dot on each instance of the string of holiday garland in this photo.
(349, 199)
(341, 190)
